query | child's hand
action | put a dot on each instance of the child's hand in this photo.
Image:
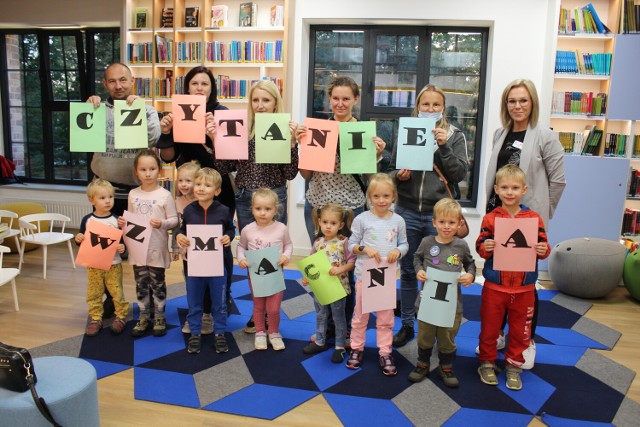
(393, 255)
(372, 253)
(305, 282)
(541, 248)
(121, 222)
(283, 260)
(244, 264)
(182, 241)
(335, 271)
(155, 222)
(466, 279)
(79, 238)
(121, 248)
(225, 240)
(421, 276)
(489, 245)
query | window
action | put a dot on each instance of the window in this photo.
(41, 72)
(391, 65)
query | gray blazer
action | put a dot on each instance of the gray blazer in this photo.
(542, 160)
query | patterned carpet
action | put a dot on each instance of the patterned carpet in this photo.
(569, 385)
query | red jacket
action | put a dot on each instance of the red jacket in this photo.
(508, 281)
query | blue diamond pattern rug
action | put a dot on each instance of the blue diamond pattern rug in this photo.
(570, 384)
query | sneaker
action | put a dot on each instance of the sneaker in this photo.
(194, 344)
(93, 328)
(314, 348)
(250, 327)
(141, 327)
(221, 344)
(513, 378)
(403, 336)
(420, 372)
(276, 342)
(529, 355)
(159, 327)
(447, 375)
(185, 328)
(118, 326)
(487, 373)
(500, 344)
(355, 359)
(207, 324)
(338, 355)
(260, 342)
(387, 365)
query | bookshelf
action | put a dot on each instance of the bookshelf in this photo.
(582, 74)
(166, 49)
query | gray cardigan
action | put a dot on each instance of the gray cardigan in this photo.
(542, 160)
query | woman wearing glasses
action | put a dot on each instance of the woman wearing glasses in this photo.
(538, 152)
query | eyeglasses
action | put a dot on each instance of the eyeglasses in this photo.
(523, 102)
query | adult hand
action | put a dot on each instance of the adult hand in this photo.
(95, 100)
(380, 144)
(403, 175)
(440, 135)
(166, 123)
(300, 131)
(131, 98)
(210, 125)
(293, 127)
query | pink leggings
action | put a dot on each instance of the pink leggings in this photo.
(272, 306)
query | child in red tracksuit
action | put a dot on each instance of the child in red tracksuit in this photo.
(507, 291)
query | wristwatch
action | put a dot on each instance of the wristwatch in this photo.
(361, 248)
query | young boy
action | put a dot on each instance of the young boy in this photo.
(448, 253)
(102, 195)
(508, 291)
(206, 210)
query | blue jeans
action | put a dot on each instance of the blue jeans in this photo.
(243, 206)
(419, 225)
(337, 310)
(195, 295)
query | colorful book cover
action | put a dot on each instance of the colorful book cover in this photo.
(219, 15)
(245, 14)
(191, 17)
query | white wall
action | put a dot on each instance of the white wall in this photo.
(521, 42)
(29, 13)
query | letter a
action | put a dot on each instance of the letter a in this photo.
(273, 133)
(517, 239)
(265, 267)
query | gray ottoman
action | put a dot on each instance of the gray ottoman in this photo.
(587, 267)
(67, 384)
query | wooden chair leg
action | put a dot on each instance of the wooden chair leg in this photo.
(44, 262)
(19, 249)
(15, 295)
(24, 244)
(73, 261)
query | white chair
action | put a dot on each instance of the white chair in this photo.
(34, 230)
(11, 232)
(9, 275)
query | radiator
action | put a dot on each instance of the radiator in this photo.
(75, 211)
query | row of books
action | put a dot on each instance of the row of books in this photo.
(587, 63)
(247, 51)
(631, 222)
(226, 87)
(579, 103)
(586, 142)
(634, 183)
(188, 52)
(615, 145)
(239, 89)
(580, 20)
(630, 17)
(139, 52)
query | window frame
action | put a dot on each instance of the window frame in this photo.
(85, 56)
(367, 109)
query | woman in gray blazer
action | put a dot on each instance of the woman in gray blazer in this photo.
(538, 152)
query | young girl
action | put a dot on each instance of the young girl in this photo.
(330, 221)
(157, 204)
(264, 97)
(265, 232)
(376, 233)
